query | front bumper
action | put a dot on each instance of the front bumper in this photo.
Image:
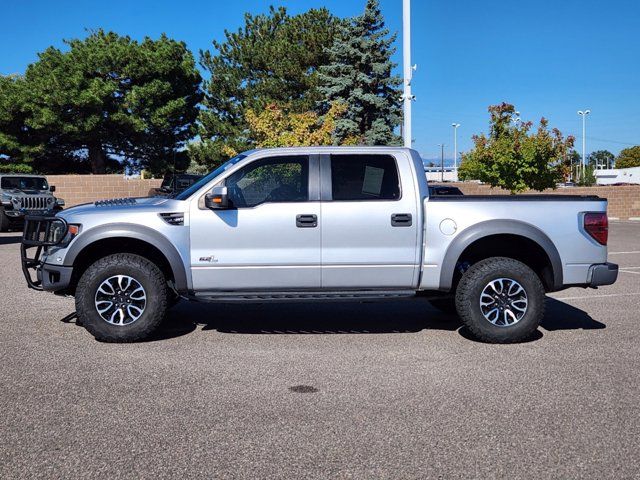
(35, 238)
(603, 274)
(53, 278)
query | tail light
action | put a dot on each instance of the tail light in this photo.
(597, 225)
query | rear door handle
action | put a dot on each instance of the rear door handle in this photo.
(306, 221)
(401, 220)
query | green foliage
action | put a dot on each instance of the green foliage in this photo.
(602, 158)
(15, 168)
(587, 177)
(273, 59)
(279, 127)
(107, 97)
(512, 157)
(629, 157)
(359, 76)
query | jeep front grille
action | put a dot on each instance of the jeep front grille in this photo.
(35, 203)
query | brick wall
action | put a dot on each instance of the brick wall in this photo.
(76, 189)
(624, 201)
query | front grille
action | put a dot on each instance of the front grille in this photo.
(34, 203)
(173, 218)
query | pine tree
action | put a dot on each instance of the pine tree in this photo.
(273, 58)
(359, 76)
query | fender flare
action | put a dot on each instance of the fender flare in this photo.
(498, 227)
(129, 230)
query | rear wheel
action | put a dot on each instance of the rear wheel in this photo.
(500, 300)
(122, 298)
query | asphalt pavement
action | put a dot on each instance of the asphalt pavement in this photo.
(345, 390)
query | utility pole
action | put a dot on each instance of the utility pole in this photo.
(584, 114)
(408, 69)
(441, 145)
(455, 146)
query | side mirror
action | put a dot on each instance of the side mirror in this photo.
(52, 188)
(217, 198)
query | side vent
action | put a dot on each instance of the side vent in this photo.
(173, 218)
(115, 202)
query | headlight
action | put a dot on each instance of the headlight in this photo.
(60, 201)
(57, 231)
(62, 234)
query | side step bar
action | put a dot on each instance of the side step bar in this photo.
(303, 296)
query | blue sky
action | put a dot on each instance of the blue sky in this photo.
(549, 58)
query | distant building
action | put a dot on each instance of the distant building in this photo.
(617, 175)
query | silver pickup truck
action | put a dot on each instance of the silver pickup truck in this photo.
(319, 224)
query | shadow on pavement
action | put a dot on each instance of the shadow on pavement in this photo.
(307, 318)
(340, 318)
(6, 240)
(562, 316)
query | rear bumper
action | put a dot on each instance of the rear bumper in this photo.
(603, 274)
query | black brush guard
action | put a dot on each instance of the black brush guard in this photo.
(37, 235)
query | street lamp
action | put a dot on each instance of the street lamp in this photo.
(455, 145)
(584, 114)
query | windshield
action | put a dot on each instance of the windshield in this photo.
(204, 180)
(24, 183)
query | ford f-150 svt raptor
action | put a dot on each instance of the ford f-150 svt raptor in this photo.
(319, 224)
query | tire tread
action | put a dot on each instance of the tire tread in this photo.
(123, 260)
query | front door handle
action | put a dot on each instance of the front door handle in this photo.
(401, 220)
(306, 221)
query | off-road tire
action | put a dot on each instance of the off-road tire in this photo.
(142, 270)
(471, 286)
(445, 305)
(4, 221)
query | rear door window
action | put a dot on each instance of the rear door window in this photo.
(364, 177)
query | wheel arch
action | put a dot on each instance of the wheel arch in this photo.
(508, 238)
(127, 238)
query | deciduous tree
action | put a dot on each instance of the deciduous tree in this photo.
(513, 157)
(629, 157)
(279, 127)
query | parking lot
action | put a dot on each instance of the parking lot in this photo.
(386, 390)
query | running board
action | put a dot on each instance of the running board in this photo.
(304, 296)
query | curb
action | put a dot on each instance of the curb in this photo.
(634, 219)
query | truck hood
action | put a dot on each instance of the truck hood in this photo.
(124, 206)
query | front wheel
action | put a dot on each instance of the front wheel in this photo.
(122, 298)
(500, 300)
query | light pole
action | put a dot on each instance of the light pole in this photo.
(455, 146)
(441, 145)
(408, 69)
(584, 114)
